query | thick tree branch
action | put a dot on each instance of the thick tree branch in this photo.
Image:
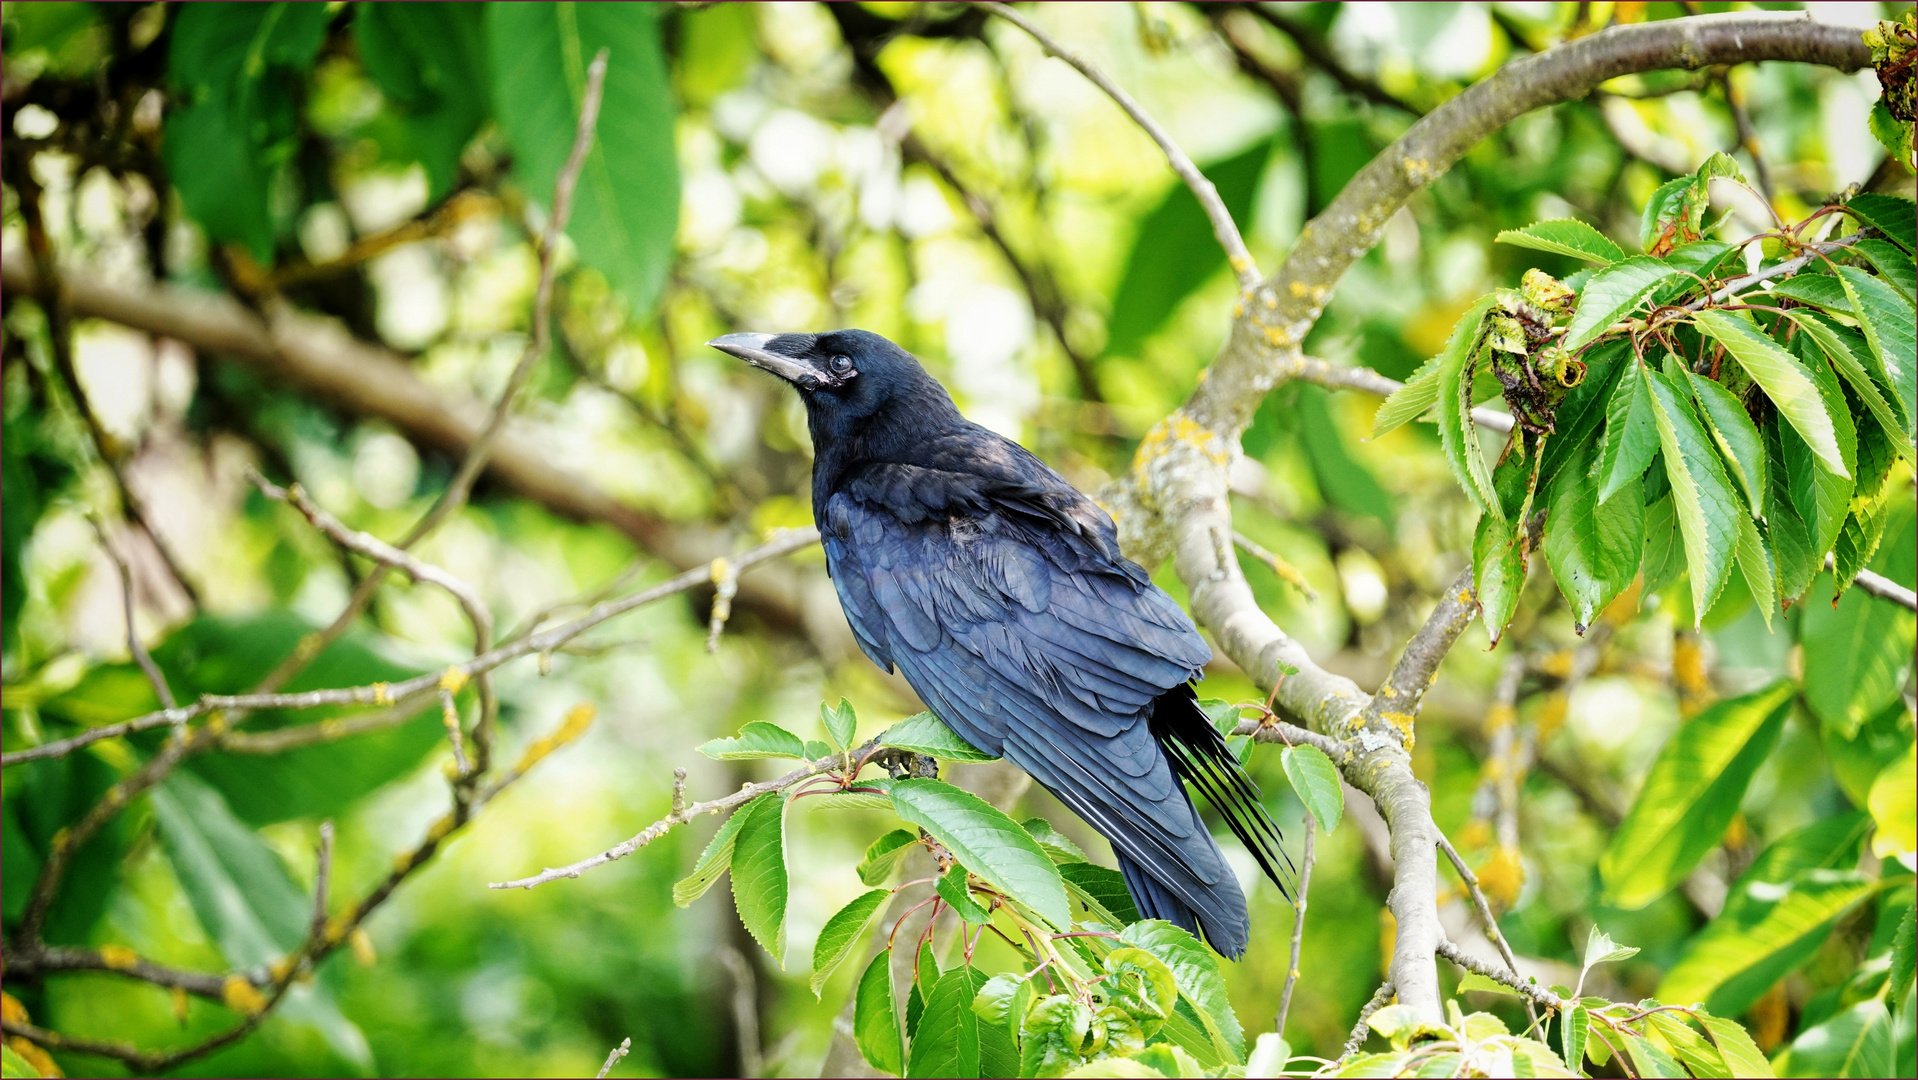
(1174, 501)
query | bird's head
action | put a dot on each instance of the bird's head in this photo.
(848, 374)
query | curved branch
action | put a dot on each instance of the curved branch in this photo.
(1174, 501)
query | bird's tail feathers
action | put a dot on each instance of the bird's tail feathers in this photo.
(1199, 755)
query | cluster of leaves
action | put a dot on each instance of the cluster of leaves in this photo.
(446, 70)
(1099, 982)
(1673, 419)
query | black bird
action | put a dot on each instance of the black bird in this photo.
(998, 591)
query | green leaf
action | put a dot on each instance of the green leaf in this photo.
(1822, 497)
(1421, 391)
(1776, 927)
(1694, 261)
(1631, 433)
(759, 872)
(1053, 842)
(1894, 808)
(1664, 548)
(1847, 363)
(1735, 1046)
(1660, 208)
(988, 842)
(1498, 567)
(1699, 1057)
(12, 1065)
(716, 50)
(1894, 134)
(952, 888)
(1893, 265)
(234, 66)
(1785, 527)
(1891, 329)
(1102, 890)
(758, 739)
(1856, 655)
(875, 1022)
(925, 733)
(1473, 982)
(1175, 251)
(245, 899)
(1316, 782)
(626, 210)
(1269, 1057)
(714, 861)
(1593, 548)
(883, 855)
(1855, 762)
(1737, 437)
(1755, 561)
(1200, 981)
(1899, 983)
(952, 1040)
(1691, 795)
(1856, 1042)
(1819, 290)
(840, 724)
(1783, 379)
(1458, 435)
(1648, 1059)
(1564, 236)
(842, 934)
(1702, 498)
(1889, 215)
(429, 61)
(1611, 295)
(1572, 1033)
(1601, 949)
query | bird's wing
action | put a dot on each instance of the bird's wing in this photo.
(1018, 640)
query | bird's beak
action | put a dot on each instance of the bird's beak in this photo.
(752, 349)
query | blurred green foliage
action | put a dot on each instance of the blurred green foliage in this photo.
(750, 173)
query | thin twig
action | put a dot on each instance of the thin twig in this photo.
(1277, 731)
(1418, 665)
(1362, 1030)
(1286, 571)
(1484, 909)
(1734, 286)
(1298, 926)
(681, 814)
(1223, 226)
(1527, 989)
(401, 692)
(134, 645)
(1333, 376)
(322, 877)
(625, 1047)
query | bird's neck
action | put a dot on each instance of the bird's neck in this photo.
(897, 432)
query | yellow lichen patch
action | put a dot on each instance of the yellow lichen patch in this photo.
(1240, 264)
(1551, 715)
(180, 1002)
(282, 968)
(1417, 170)
(1502, 877)
(217, 722)
(119, 957)
(380, 696)
(1738, 832)
(1465, 597)
(242, 996)
(60, 840)
(1388, 940)
(1498, 717)
(362, 945)
(452, 680)
(1270, 299)
(41, 1061)
(1276, 336)
(1556, 664)
(720, 570)
(577, 721)
(1688, 672)
(1403, 724)
(338, 927)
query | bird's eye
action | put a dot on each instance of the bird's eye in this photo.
(840, 365)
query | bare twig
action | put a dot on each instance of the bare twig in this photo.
(682, 814)
(1813, 253)
(1223, 226)
(1362, 1029)
(725, 587)
(1298, 926)
(1399, 698)
(625, 1047)
(1530, 991)
(154, 675)
(1886, 589)
(1354, 377)
(1277, 731)
(745, 1002)
(410, 689)
(1286, 571)
(1484, 909)
(322, 877)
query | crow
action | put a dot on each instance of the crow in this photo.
(998, 591)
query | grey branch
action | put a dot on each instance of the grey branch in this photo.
(134, 645)
(1175, 500)
(1298, 927)
(1362, 1029)
(682, 814)
(1418, 665)
(1530, 991)
(1223, 226)
(1355, 377)
(625, 1047)
(1881, 586)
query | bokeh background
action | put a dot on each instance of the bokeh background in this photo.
(912, 169)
